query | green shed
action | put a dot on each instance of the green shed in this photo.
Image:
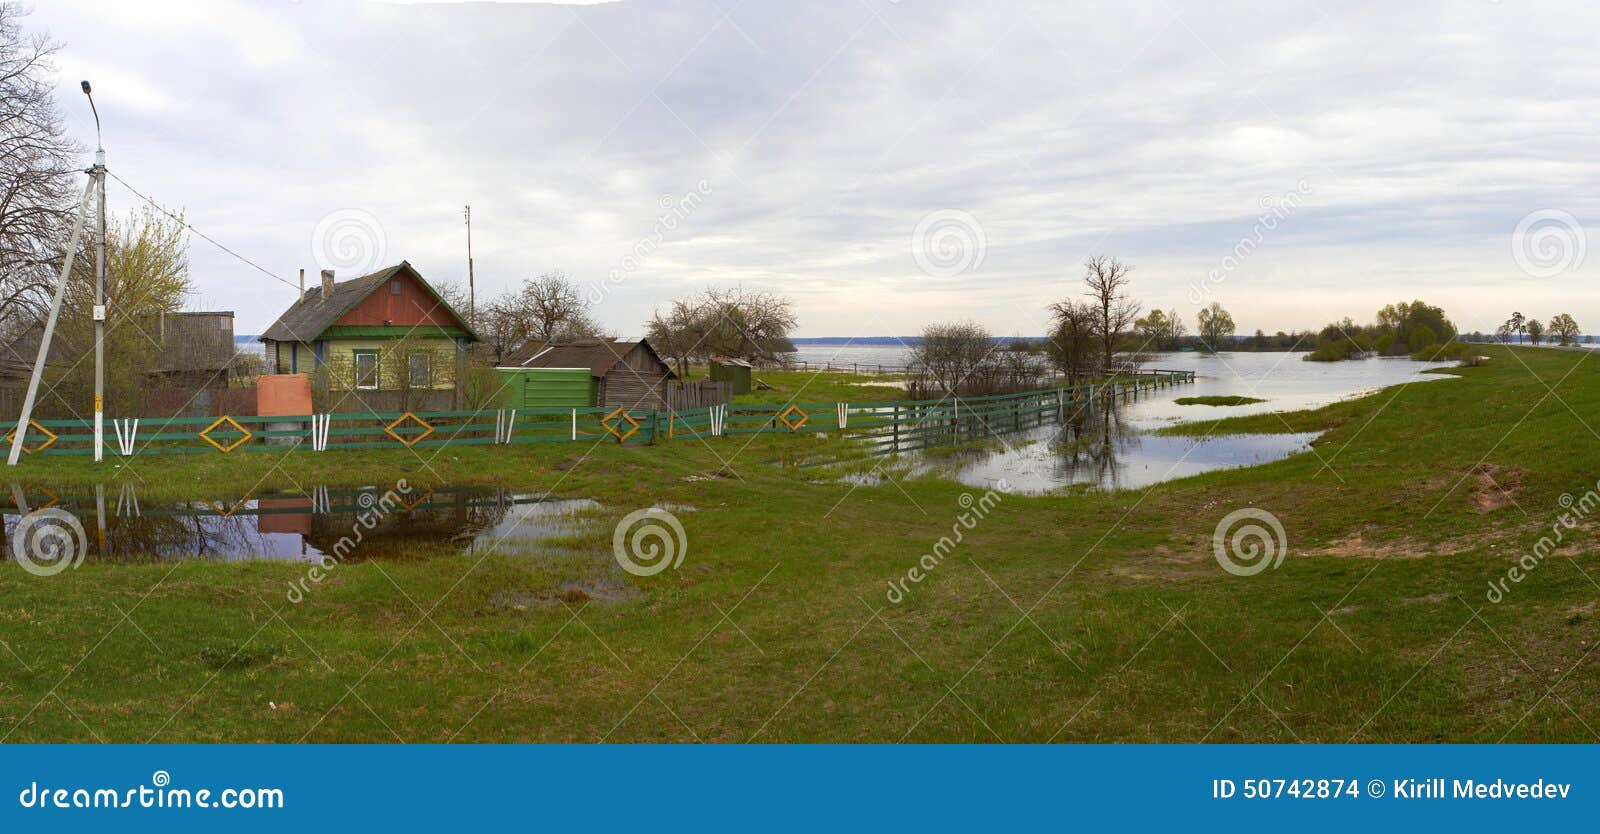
(547, 387)
(735, 372)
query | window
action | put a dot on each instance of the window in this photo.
(419, 370)
(394, 287)
(366, 369)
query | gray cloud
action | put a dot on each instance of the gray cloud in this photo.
(825, 132)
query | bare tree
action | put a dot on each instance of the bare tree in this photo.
(37, 163)
(678, 333)
(739, 323)
(1074, 347)
(955, 357)
(549, 308)
(554, 309)
(1106, 280)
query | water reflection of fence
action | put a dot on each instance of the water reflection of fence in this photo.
(279, 524)
(896, 421)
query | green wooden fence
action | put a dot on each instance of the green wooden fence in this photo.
(913, 422)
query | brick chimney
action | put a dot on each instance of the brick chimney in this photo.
(327, 284)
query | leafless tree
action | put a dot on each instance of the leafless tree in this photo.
(1020, 365)
(37, 163)
(956, 357)
(678, 333)
(554, 309)
(1106, 282)
(736, 322)
(549, 308)
(1074, 346)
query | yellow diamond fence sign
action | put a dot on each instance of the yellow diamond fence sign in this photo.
(33, 424)
(413, 440)
(788, 417)
(617, 418)
(230, 423)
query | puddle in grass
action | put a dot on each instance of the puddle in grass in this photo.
(344, 524)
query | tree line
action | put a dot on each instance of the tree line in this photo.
(1562, 329)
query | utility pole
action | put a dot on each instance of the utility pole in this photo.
(98, 175)
(18, 436)
(472, 293)
(96, 183)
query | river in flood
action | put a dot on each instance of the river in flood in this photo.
(1113, 447)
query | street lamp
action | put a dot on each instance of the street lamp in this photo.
(98, 172)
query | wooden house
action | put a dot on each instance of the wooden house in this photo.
(627, 374)
(382, 342)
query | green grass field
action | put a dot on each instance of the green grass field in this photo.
(1089, 617)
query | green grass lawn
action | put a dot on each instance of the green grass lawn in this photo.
(1089, 617)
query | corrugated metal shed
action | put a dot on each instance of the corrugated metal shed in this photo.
(547, 387)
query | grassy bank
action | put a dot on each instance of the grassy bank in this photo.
(778, 626)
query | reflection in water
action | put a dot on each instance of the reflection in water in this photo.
(306, 527)
(1106, 447)
(1095, 446)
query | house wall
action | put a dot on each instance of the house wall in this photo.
(637, 382)
(392, 366)
(292, 358)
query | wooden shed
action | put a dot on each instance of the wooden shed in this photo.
(735, 372)
(628, 374)
(547, 387)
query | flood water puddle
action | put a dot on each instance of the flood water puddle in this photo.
(1111, 445)
(344, 524)
(1043, 461)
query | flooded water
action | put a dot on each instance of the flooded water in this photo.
(1284, 380)
(1112, 447)
(347, 524)
(1101, 452)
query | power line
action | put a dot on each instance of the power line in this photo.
(209, 239)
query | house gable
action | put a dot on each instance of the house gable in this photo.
(396, 295)
(403, 300)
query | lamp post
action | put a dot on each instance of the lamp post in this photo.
(98, 173)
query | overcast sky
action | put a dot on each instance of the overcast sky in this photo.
(885, 164)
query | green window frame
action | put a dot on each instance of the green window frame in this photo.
(366, 380)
